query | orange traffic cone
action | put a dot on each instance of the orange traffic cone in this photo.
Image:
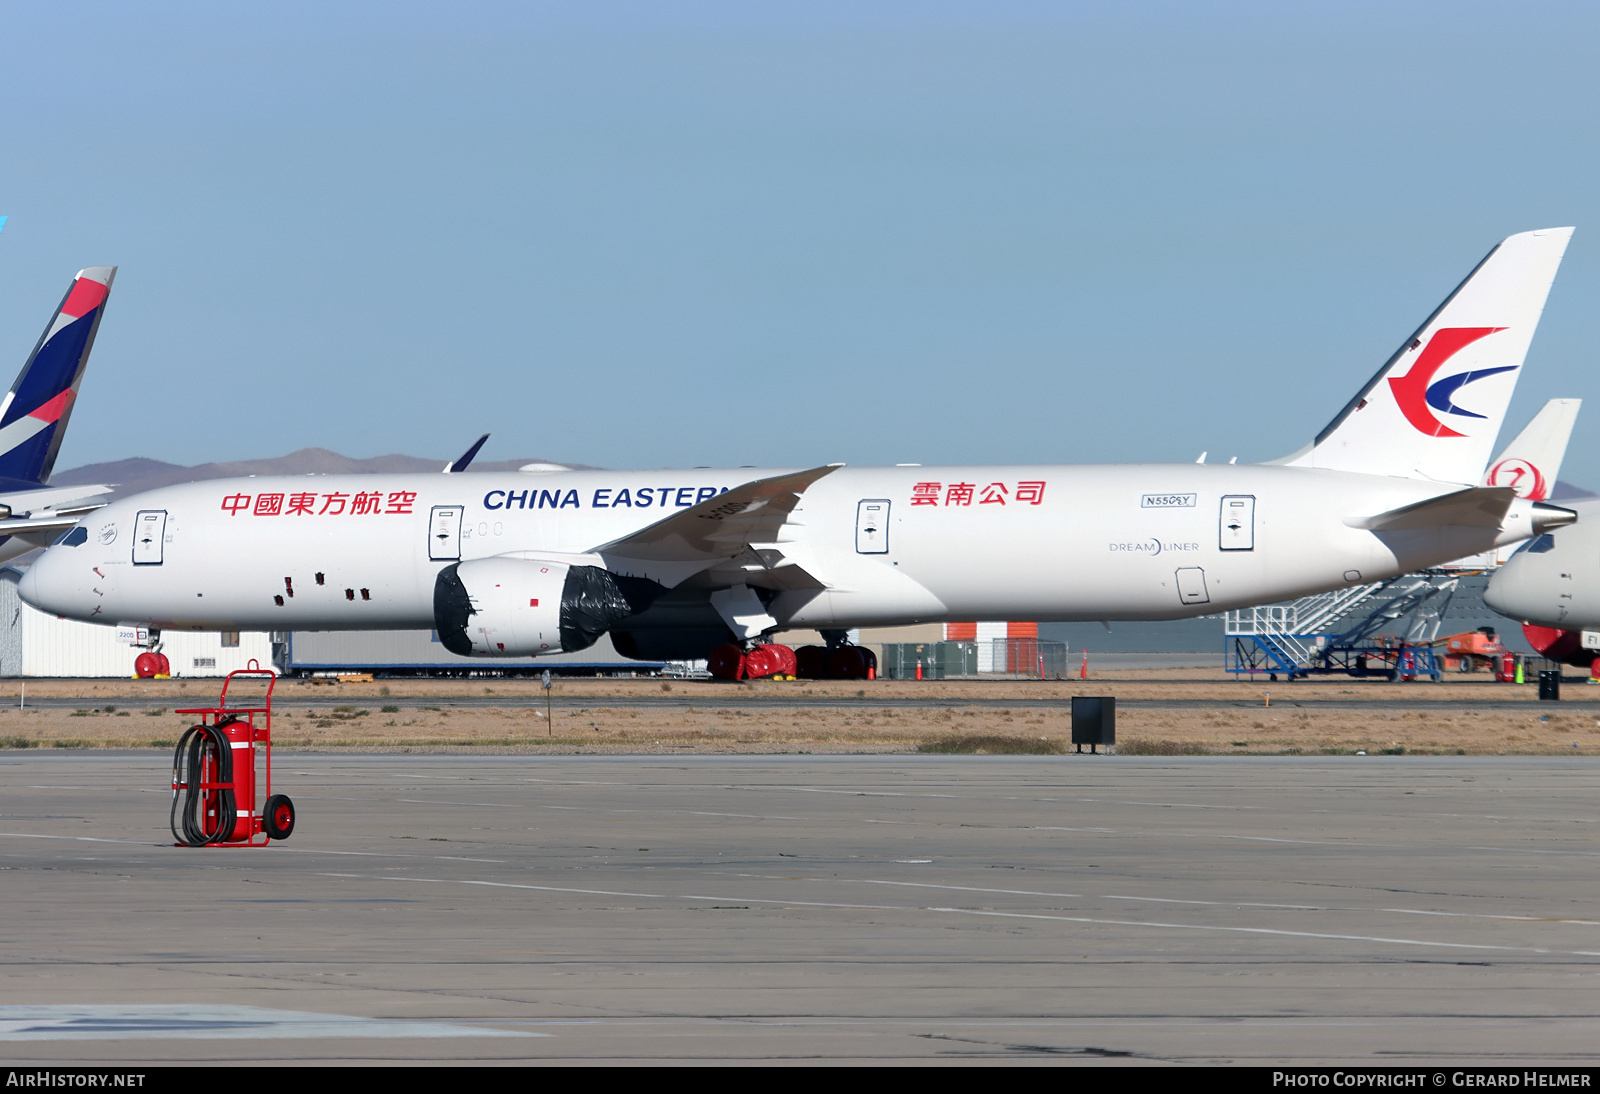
(1083, 669)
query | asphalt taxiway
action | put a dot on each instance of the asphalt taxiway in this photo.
(459, 909)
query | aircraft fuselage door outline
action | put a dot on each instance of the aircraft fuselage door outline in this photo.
(872, 526)
(444, 533)
(1236, 529)
(149, 535)
(1192, 585)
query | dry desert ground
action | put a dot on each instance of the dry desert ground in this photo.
(1201, 712)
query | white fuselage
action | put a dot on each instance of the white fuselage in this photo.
(1554, 581)
(1081, 542)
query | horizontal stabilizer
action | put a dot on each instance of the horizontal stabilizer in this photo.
(718, 528)
(1477, 507)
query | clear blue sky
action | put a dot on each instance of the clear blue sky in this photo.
(668, 234)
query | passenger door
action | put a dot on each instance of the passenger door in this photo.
(149, 535)
(872, 527)
(444, 533)
(1237, 523)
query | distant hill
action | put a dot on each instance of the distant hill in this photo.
(135, 476)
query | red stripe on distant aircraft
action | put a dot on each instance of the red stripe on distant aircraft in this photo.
(52, 411)
(86, 295)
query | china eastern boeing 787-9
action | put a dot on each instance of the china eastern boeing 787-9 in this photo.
(675, 564)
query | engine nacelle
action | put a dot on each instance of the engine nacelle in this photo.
(525, 607)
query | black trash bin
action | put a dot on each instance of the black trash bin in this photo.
(1094, 720)
(1549, 686)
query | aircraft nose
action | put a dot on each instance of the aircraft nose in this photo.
(28, 585)
(1494, 596)
(1517, 593)
(40, 585)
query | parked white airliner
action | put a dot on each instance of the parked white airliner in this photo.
(674, 563)
(1555, 580)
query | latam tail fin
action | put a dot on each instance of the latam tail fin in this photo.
(1433, 410)
(33, 416)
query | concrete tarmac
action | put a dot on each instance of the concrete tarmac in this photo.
(811, 909)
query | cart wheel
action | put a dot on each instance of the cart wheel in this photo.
(279, 816)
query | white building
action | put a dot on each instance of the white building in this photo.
(406, 652)
(33, 643)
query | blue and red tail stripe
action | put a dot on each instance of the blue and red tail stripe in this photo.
(33, 418)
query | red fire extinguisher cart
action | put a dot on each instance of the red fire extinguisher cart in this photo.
(214, 780)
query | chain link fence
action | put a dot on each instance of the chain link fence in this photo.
(1034, 658)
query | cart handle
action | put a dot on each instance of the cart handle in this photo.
(254, 670)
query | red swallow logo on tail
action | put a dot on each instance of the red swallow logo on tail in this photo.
(1412, 392)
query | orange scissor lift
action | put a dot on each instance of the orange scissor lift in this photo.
(214, 773)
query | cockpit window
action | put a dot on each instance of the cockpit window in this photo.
(73, 537)
(1538, 545)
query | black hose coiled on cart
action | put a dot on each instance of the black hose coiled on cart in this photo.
(188, 815)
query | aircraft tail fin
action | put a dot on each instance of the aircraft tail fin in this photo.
(33, 416)
(463, 461)
(1530, 464)
(1433, 410)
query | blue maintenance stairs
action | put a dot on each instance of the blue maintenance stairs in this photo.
(1384, 628)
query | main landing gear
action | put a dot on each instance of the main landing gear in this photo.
(838, 660)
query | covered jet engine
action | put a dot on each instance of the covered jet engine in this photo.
(524, 607)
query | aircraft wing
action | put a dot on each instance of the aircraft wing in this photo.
(43, 513)
(58, 500)
(32, 526)
(738, 531)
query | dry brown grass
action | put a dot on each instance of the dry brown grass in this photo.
(414, 715)
(992, 744)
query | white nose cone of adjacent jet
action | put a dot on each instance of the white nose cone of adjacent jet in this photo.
(1554, 580)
